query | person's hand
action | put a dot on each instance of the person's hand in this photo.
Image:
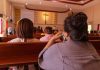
(53, 39)
(56, 36)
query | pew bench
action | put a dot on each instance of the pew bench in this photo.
(8, 38)
(96, 44)
(19, 53)
(25, 53)
(94, 37)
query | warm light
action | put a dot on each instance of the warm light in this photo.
(40, 2)
(54, 1)
(45, 16)
(26, 3)
(66, 6)
(89, 28)
(82, 2)
(70, 9)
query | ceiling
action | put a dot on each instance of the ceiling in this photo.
(54, 5)
(76, 2)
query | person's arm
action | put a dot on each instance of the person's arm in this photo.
(53, 39)
(50, 42)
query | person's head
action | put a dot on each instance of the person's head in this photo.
(76, 26)
(24, 28)
(48, 30)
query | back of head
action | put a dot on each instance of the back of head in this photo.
(76, 26)
(48, 30)
(25, 28)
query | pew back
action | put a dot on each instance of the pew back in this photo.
(96, 44)
(20, 53)
(25, 53)
(94, 37)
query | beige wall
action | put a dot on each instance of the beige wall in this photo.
(93, 14)
(27, 14)
(60, 21)
(5, 8)
(8, 9)
(30, 14)
(2, 7)
(61, 17)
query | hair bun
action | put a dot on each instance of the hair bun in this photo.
(76, 26)
(79, 21)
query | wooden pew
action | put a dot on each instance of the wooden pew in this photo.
(19, 53)
(96, 44)
(8, 38)
(25, 53)
(94, 37)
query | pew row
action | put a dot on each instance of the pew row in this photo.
(8, 38)
(25, 53)
(38, 36)
(94, 37)
(19, 53)
(96, 44)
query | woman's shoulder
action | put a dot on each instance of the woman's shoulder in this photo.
(56, 46)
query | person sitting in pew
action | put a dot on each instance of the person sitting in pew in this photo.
(48, 32)
(24, 33)
(77, 53)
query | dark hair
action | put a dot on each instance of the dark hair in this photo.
(48, 30)
(76, 26)
(25, 28)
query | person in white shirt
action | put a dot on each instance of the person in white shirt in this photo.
(25, 33)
